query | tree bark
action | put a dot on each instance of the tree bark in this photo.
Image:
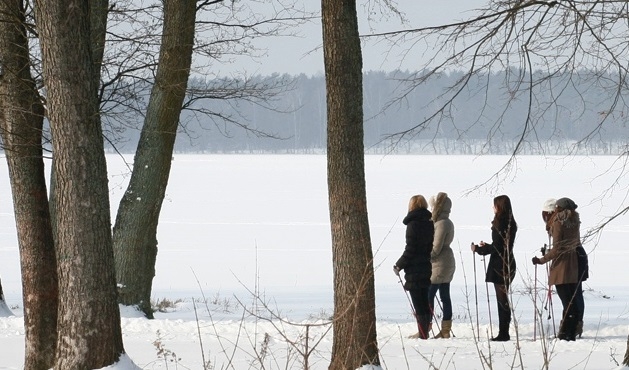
(89, 333)
(355, 342)
(135, 230)
(21, 125)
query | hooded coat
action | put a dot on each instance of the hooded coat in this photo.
(415, 261)
(564, 229)
(442, 256)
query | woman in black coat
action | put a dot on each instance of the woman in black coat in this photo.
(501, 268)
(415, 261)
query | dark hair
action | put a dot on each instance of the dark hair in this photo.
(504, 212)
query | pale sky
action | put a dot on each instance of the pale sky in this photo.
(304, 55)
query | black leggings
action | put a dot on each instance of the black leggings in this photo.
(568, 295)
(444, 295)
(502, 298)
(580, 302)
(420, 301)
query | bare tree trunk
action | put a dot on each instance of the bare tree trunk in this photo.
(89, 333)
(135, 230)
(21, 127)
(98, 29)
(355, 343)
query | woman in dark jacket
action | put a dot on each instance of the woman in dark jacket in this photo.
(501, 268)
(415, 261)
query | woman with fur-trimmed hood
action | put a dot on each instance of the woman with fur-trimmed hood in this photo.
(442, 258)
(564, 271)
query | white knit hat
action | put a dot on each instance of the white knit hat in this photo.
(549, 205)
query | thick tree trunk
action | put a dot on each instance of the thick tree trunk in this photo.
(135, 230)
(355, 343)
(21, 127)
(98, 29)
(89, 334)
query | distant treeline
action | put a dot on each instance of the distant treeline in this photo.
(491, 114)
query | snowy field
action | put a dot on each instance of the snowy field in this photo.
(236, 224)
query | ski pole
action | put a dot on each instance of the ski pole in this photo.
(434, 317)
(549, 299)
(491, 330)
(551, 311)
(535, 307)
(476, 297)
(411, 304)
(407, 296)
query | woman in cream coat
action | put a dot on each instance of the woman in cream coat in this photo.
(442, 258)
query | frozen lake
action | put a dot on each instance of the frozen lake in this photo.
(261, 223)
(246, 221)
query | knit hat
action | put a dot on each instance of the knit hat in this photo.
(566, 203)
(549, 205)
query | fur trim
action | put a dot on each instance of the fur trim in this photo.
(569, 218)
(437, 204)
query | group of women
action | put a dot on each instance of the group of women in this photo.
(429, 265)
(428, 261)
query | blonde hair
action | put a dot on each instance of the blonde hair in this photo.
(417, 201)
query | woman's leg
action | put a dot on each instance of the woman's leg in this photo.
(580, 309)
(432, 292)
(419, 297)
(504, 312)
(446, 323)
(444, 295)
(567, 293)
(422, 310)
(580, 302)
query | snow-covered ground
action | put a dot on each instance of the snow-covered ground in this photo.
(236, 224)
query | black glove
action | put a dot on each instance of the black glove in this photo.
(396, 270)
(536, 261)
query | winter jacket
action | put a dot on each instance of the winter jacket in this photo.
(442, 257)
(564, 229)
(501, 267)
(415, 261)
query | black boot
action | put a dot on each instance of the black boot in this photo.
(504, 313)
(568, 328)
(501, 337)
(504, 320)
(424, 326)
